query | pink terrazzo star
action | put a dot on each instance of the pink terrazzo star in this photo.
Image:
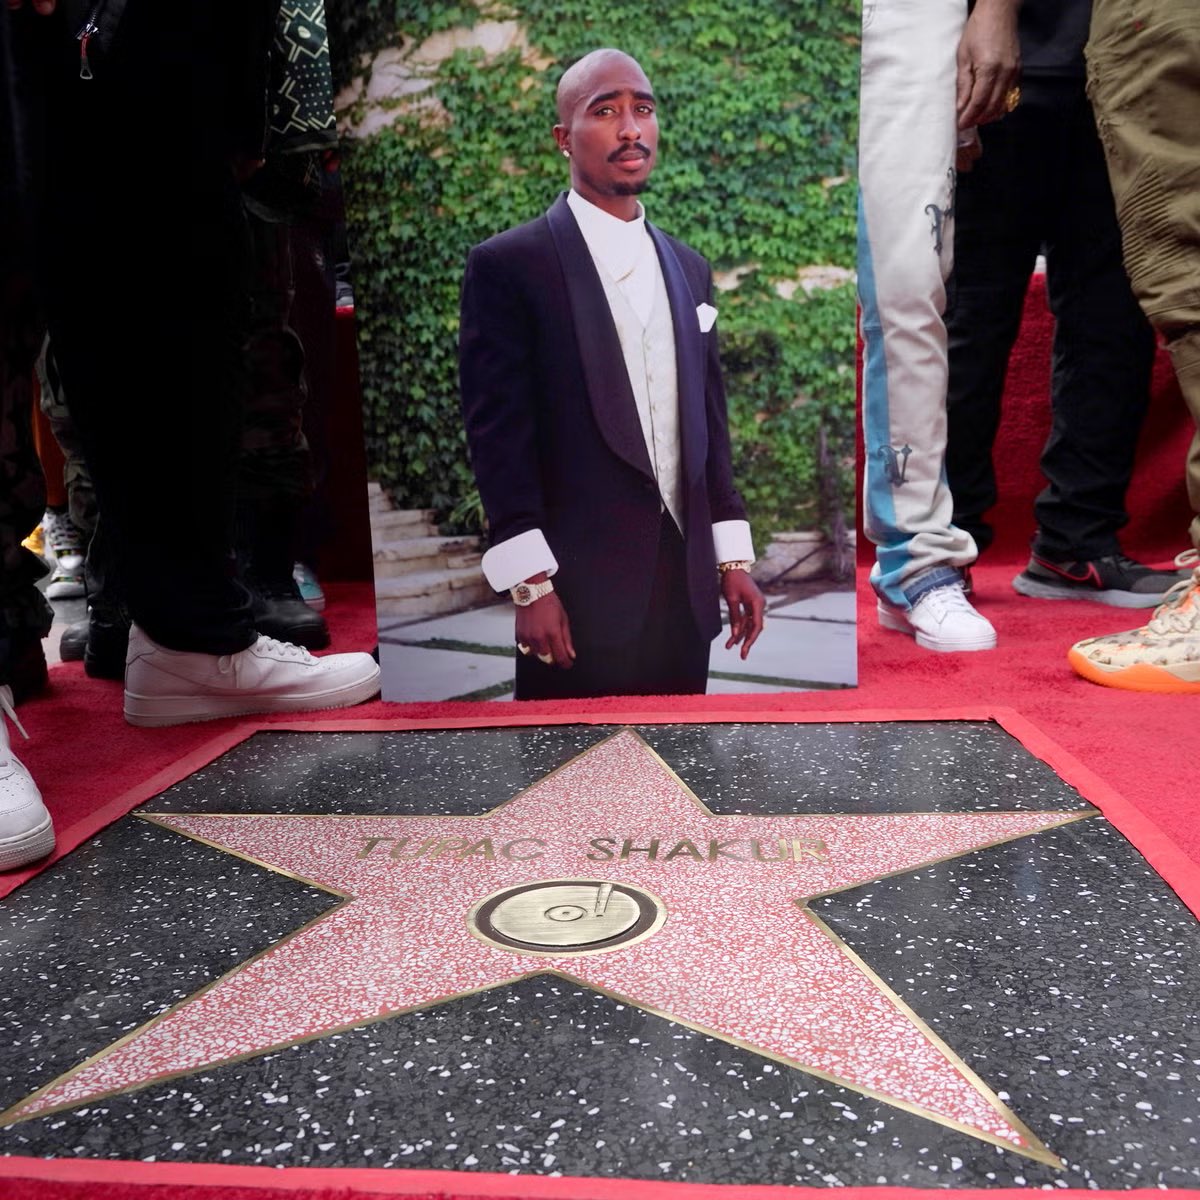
(739, 955)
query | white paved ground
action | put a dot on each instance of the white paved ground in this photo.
(805, 644)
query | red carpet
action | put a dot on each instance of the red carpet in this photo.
(1143, 746)
(1158, 505)
(92, 766)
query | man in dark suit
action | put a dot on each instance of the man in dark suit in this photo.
(595, 415)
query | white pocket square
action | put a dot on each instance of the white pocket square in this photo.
(707, 316)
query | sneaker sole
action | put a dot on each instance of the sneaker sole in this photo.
(1113, 597)
(894, 621)
(157, 711)
(66, 590)
(1142, 677)
(27, 847)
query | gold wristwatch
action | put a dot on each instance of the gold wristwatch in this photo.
(525, 594)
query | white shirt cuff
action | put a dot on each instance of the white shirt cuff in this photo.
(732, 541)
(507, 563)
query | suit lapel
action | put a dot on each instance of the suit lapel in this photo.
(599, 347)
(689, 359)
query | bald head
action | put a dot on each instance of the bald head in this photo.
(580, 78)
(608, 128)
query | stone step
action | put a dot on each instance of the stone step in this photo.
(431, 593)
(377, 499)
(795, 556)
(418, 555)
(393, 525)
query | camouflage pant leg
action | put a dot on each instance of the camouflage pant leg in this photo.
(76, 476)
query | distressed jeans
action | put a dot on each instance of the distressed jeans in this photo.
(905, 246)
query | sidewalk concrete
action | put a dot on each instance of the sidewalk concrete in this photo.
(805, 644)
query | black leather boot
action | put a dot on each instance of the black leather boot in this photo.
(268, 529)
(101, 640)
(279, 612)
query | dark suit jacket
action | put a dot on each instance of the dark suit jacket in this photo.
(553, 429)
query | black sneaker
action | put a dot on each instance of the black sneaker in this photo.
(1114, 579)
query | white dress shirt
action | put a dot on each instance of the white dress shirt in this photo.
(624, 252)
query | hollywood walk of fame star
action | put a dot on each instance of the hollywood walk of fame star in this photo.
(738, 955)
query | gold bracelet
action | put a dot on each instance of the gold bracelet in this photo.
(737, 564)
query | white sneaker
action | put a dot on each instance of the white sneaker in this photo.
(67, 549)
(942, 619)
(26, 833)
(169, 687)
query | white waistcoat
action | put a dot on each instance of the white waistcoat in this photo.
(649, 352)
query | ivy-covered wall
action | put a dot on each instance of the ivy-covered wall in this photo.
(757, 113)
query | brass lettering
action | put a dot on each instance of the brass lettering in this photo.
(398, 848)
(448, 847)
(605, 853)
(757, 851)
(369, 844)
(628, 848)
(484, 848)
(683, 847)
(508, 851)
(427, 844)
(809, 848)
(721, 850)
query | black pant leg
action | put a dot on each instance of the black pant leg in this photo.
(666, 657)
(146, 289)
(997, 214)
(1103, 351)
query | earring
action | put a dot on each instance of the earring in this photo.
(566, 153)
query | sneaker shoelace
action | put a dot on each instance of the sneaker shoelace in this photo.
(1130, 566)
(287, 649)
(6, 707)
(948, 599)
(1173, 615)
(61, 535)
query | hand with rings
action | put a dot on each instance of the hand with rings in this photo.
(525, 650)
(544, 631)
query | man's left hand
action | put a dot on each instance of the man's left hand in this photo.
(989, 62)
(746, 608)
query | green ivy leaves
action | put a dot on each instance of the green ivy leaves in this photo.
(757, 110)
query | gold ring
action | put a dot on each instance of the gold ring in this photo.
(524, 649)
(545, 658)
(1012, 98)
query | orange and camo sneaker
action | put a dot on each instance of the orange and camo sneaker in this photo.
(1162, 656)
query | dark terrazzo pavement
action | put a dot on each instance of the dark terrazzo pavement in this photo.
(1058, 966)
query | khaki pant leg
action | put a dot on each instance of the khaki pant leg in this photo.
(1144, 83)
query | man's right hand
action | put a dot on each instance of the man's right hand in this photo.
(989, 62)
(544, 628)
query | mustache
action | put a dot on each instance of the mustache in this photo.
(644, 151)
